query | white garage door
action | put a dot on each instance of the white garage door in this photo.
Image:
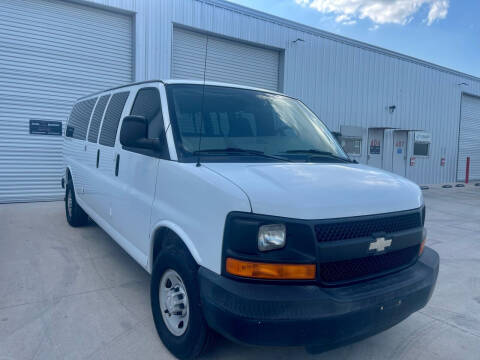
(227, 61)
(469, 144)
(52, 52)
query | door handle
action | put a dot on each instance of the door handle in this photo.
(117, 164)
(98, 156)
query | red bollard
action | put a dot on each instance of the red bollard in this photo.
(467, 170)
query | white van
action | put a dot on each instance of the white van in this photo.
(251, 219)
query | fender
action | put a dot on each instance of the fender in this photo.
(180, 233)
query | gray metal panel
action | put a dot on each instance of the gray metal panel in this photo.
(53, 52)
(469, 139)
(227, 61)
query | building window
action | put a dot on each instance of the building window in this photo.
(421, 149)
(352, 146)
(421, 144)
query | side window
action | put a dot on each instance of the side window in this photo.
(79, 118)
(97, 118)
(112, 118)
(147, 104)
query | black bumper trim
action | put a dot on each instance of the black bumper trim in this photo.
(319, 318)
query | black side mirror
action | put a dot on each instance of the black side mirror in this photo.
(134, 132)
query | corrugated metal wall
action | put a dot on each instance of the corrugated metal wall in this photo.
(52, 52)
(343, 81)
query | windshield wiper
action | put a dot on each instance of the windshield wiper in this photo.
(232, 150)
(319, 153)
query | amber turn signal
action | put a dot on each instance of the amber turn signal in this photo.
(422, 245)
(258, 270)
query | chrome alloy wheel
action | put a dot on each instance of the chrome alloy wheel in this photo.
(174, 302)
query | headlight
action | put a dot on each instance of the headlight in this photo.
(271, 237)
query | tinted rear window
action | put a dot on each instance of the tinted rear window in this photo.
(97, 118)
(112, 118)
(79, 118)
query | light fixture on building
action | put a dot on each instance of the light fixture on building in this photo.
(391, 108)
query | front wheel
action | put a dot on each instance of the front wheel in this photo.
(176, 308)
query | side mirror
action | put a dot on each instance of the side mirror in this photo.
(134, 132)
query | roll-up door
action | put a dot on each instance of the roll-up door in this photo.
(52, 53)
(468, 141)
(227, 61)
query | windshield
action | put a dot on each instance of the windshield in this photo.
(242, 124)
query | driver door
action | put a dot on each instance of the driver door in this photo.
(136, 176)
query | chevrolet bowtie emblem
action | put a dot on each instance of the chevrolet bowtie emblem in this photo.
(380, 244)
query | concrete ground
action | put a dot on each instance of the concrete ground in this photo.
(70, 293)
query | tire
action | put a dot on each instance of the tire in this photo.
(194, 337)
(75, 215)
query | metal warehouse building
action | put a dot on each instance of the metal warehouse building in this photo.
(396, 112)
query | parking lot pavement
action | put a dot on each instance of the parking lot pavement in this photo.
(70, 293)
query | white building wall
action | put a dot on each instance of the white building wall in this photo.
(345, 82)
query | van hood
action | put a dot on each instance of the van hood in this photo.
(320, 191)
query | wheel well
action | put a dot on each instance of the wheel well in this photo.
(165, 238)
(158, 240)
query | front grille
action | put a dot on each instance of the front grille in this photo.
(348, 270)
(351, 229)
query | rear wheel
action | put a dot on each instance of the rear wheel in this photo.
(75, 214)
(175, 299)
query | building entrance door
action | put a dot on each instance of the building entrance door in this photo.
(399, 156)
(375, 147)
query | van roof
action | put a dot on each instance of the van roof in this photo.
(178, 81)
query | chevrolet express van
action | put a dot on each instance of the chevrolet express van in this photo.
(251, 219)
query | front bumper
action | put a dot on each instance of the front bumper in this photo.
(313, 316)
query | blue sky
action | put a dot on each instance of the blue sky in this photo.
(445, 32)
